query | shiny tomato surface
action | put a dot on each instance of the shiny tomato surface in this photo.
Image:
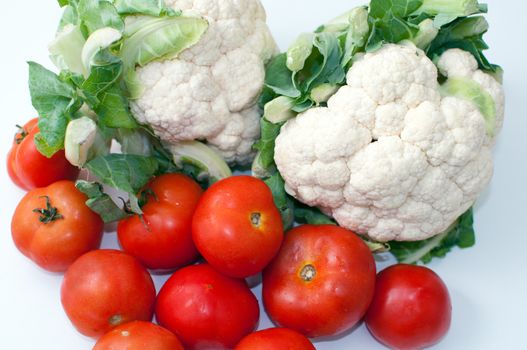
(138, 335)
(161, 238)
(29, 169)
(322, 281)
(205, 309)
(53, 226)
(237, 227)
(275, 339)
(104, 289)
(411, 308)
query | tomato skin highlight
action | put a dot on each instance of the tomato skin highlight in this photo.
(322, 281)
(54, 246)
(104, 289)
(138, 335)
(237, 227)
(29, 169)
(411, 308)
(205, 309)
(275, 339)
(162, 238)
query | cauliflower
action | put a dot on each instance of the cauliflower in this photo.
(394, 155)
(209, 92)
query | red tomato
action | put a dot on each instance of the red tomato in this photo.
(321, 282)
(411, 308)
(275, 339)
(29, 169)
(53, 226)
(104, 289)
(138, 335)
(206, 309)
(237, 227)
(161, 238)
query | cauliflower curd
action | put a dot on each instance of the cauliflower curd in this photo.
(394, 155)
(209, 92)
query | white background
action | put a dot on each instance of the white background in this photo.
(487, 283)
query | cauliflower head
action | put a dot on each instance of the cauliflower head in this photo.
(209, 92)
(395, 155)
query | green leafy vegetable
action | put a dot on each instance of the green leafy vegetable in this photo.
(100, 202)
(283, 202)
(125, 172)
(278, 77)
(154, 8)
(56, 102)
(467, 34)
(461, 234)
(97, 14)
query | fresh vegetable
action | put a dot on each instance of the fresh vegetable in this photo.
(275, 338)
(206, 309)
(411, 308)
(53, 227)
(138, 335)
(166, 66)
(237, 227)
(209, 92)
(104, 289)
(28, 168)
(384, 120)
(321, 282)
(161, 238)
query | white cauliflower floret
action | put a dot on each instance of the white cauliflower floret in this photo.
(390, 157)
(458, 63)
(210, 91)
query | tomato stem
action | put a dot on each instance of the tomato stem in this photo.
(308, 273)
(256, 219)
(20, 135)
(49, 213)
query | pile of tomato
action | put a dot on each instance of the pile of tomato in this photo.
(317, 281)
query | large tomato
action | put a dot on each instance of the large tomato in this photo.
(237, 227)
(162, 238)
(138, 335)
(321, 282)
(53, 226)
(206, 309)
(411, 308)
(29, 169)
(275, 339)
(104, 289)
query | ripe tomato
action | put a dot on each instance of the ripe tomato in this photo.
(161, 238)
(29, 169)
(206, 309)
(321, 282)
(104, 289)
(411, 308)
(53, 226)
(237, 227)
(138, 335)
(273, 339)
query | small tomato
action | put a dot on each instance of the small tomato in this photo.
(237, 227)
(321, 282)
(205, 309)
(53, 226)
(104, 289)
(138, 335)
(29, 169)
(411, 308)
